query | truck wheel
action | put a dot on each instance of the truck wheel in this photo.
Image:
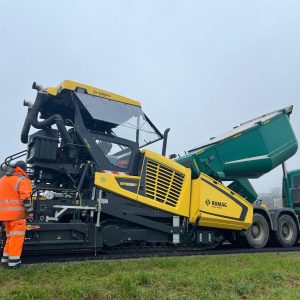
(257, 235)
(286, 234)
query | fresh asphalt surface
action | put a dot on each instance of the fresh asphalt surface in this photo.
(90, 255)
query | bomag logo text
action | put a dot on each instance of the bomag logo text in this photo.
(128, 183)
(214, 203)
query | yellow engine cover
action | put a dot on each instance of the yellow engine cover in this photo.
(163, 184)
(215, 205)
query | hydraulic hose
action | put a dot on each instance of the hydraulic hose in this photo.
(32, 119)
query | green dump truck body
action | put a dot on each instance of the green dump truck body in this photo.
(292, 187)
(249, 151)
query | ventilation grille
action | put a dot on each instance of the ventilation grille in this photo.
(163, 184)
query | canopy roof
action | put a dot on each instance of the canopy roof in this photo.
(80, 87)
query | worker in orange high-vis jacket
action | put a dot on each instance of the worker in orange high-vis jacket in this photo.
(15, 208)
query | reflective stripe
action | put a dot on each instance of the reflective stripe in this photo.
(21, 177)
(17, 233)
(29, 210)
(5, 255)
(7, 235)
(17, 185)
(11, 201)
(14, 257)
(12, 208)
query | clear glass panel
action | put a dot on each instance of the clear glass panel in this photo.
(118, 155)
(129, 121)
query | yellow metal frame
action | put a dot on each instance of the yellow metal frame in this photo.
(183, 204)
(204, 201)
(108, 182)
(72, 86)
(166, 161)
(217, 206)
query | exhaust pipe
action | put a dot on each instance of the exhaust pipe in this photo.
(38, 87)
(27, 103)
(27, 124)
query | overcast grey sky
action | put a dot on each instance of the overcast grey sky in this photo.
(199, 67)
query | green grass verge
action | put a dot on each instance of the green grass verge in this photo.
(246, 276)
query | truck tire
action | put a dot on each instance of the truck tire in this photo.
(286, 233)
(257, 235)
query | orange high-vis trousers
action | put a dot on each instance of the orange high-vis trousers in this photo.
(15, 235)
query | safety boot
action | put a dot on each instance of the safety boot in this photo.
(14, 263)
(4, 261)
(15, 267)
